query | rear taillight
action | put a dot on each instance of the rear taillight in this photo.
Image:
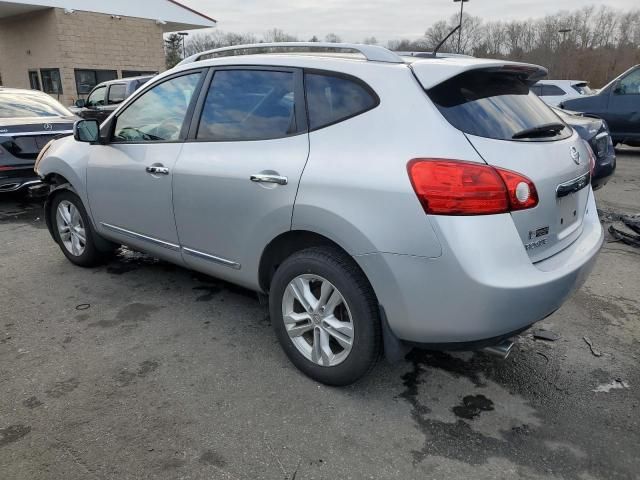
(453, 187)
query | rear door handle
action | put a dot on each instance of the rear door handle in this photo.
(158, 170)
(266, 178)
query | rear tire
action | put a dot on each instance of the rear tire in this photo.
(73, 231)
(326, 316)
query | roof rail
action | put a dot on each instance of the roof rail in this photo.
(372, 53)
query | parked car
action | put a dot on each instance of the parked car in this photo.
(458, 224)
(554, 92)
(106, 97)
(28, 121)
(595, 132)
(618, 103)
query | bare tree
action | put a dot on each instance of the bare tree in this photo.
(332, 38)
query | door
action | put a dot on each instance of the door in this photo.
(237, 176)
(129, 179)
(624, 107)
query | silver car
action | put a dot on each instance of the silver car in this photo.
(379, 201)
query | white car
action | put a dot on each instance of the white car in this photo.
(554, 92)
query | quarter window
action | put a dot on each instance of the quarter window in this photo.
(158, 115)
(96, 99)
(248, 105)
(332, 99)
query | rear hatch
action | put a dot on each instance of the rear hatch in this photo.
(511, 128)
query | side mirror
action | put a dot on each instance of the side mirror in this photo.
(87, 131)
(617, 89)
(81, 103)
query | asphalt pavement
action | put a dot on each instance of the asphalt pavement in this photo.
(140, 369)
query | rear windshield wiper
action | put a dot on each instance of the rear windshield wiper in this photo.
(540, 131)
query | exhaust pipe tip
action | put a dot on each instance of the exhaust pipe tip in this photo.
(501, 350)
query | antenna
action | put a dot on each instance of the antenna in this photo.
(435, 50)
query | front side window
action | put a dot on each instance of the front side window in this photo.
(159, 113)
(96, 99)
(496, 105)
(117, 93)
(331, 99)
(51, 82)
(248, 105)
(629, 85)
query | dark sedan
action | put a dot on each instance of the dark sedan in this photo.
(596, 133)
(618, 103)
(28, 121)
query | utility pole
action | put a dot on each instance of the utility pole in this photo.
(184, 51)
(462, 2)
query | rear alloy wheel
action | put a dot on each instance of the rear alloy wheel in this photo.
(72, 230)
(325, 315)
(318, 320)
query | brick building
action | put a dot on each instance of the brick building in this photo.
(66, 47)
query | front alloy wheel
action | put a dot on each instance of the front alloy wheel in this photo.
(71, 228)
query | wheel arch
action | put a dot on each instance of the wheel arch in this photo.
(285, 245)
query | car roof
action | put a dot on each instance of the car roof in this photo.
(432, 70)
(23, 91)
(125, 80)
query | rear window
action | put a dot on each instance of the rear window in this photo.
(582, 88)
(494, 105)
(27, 105)
(332, 99)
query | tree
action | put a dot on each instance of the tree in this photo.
(276, 35)
(173, 50)
(314, 39)
(370, 41)
(332, 38)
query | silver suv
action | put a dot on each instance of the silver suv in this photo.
(379, 201)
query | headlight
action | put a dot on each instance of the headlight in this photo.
(602, 144)
(42, 154)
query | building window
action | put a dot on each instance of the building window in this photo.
(34, 80)
(51, 82)
(87, 79)
(136, 73)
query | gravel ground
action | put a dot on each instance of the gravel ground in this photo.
(141, 369)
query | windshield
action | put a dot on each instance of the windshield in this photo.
(496, 105)
(30, 105)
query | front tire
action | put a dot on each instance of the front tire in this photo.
(73, 231)
(325, 315)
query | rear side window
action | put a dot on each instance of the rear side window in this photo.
(537, 89)
(494, 105)
(332, 99)
(552, 91)
(248, 105)
(117, 93)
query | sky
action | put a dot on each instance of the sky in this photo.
(354, 20)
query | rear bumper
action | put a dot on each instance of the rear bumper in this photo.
(483, 286)
(16, 184)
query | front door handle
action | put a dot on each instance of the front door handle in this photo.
(267, 178)
(158, 170)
